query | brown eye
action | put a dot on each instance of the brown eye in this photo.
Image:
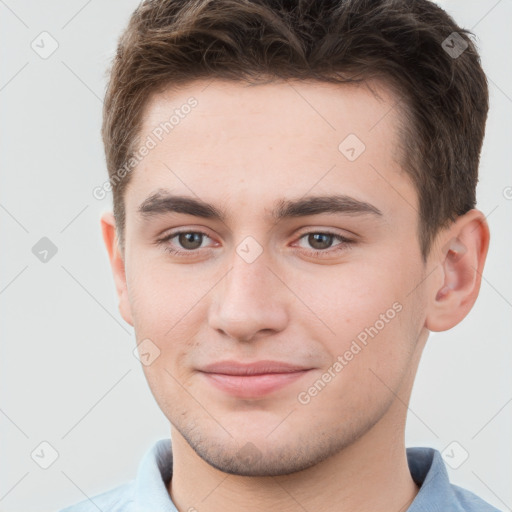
(190, 240)
(320, 241)
(184, 243)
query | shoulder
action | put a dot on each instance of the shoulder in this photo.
(471, 502)
(118, 499)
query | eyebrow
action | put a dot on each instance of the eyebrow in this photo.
(162, 202)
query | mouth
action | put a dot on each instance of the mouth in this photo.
(253, 380)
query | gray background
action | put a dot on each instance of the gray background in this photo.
(68, 374)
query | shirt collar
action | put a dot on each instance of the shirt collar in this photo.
(425, 464)
(153, 476)
(429, 472)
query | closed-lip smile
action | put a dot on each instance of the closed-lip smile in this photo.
(252, 380)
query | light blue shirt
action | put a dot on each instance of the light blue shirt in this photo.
(148, 492)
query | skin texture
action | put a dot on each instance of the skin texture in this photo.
(243, 148)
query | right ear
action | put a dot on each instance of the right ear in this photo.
(108, 228)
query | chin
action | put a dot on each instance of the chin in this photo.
(264, 453)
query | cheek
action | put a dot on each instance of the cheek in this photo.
(369, 354)
(366, 318)
(161, 297)
(163, 304)
(165, 308)
(349, 299)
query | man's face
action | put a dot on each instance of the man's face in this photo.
(255, 285)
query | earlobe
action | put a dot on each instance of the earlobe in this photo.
(117, 264)
(461, 261)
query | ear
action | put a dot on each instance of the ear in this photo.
(461, 261)
(108, 228)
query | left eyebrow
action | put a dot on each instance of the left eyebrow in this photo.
(162, 202)
(313, 205)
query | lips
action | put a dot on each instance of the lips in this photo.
(252, 380)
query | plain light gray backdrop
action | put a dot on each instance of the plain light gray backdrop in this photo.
(68, 374)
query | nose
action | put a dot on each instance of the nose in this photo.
(250, 302)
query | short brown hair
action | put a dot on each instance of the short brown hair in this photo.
(411, 45)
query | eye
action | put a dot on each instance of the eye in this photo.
(190, 241)
(322, 242)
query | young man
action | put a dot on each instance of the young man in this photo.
(294, 211)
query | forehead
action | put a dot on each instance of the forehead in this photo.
(270, 140)
(323, 106)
